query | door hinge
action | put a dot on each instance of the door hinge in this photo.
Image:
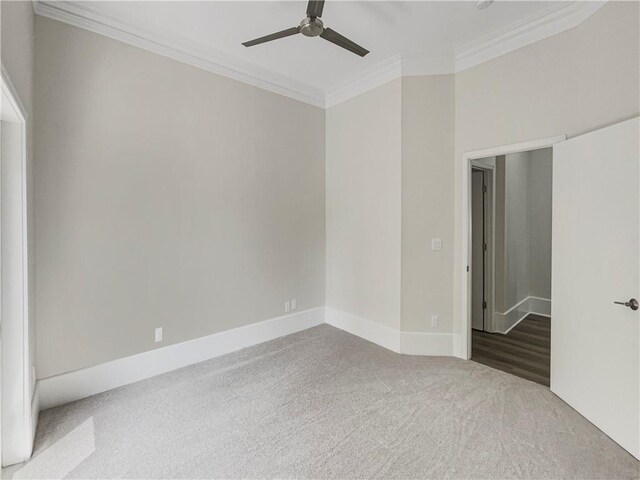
(484, 247)
(467, 268)
(484, 189)
(484, 305)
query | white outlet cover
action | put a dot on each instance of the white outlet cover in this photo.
(434, 321)
(286, 307)
(293, 304)
(436, 244)
(158, 334)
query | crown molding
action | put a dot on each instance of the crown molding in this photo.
(390, 69)
(373, 77)
(543, 24)
(529, 30)
(182, 51)
(431, 64)
(519, 34)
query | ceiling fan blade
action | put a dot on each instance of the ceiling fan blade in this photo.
(344, 42)
(274, 36)
(314, 8)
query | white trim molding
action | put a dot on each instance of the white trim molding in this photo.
(390, 69)
(17, 379)
(386, 71)
(409, 343)
(78, 384)
(504, 322)
(543, 24)
(534, 28)
(190, 53)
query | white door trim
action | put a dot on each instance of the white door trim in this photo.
(490, 233)
(464, 252)
(21, 450)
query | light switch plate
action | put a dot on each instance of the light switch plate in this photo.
(436, 244)
(434, 321)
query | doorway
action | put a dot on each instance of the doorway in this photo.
(464, 255)
(513, 333)
(595, 331)
(510, 262)
(17, 382)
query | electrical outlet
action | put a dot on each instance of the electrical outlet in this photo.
(286, 306)
(436, 244)
(293, 304)
(434, 321)
(158, 334)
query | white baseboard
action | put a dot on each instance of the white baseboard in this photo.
(504, 322)
(67, 387)
(419, 343)
(409, 343)
(540, 306)
(374, 332)
(78, 384)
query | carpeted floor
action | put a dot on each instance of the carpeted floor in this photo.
(324, 404)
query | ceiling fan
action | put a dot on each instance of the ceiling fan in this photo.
(312, 26)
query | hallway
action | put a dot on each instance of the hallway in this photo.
(524, 351)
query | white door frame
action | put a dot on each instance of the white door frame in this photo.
(490, 233)
(464, 252)
(25, 428)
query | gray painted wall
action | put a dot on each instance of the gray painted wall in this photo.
(540, 214)
(500, 236)
(523, 218)
(551, 80)
(388, 194)
(577, 81)
(363, 205)
(168, 197)
(427, 201)
(517, 229)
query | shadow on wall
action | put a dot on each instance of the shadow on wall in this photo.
(523, 235)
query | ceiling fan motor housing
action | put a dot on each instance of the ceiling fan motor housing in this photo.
(311, 27)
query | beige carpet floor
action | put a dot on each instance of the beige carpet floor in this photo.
(324, 404)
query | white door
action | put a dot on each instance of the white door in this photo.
(595, 344)
(477, 251)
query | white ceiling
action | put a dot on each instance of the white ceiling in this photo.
(432, 31)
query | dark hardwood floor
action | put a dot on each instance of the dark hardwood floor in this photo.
(524, 351)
